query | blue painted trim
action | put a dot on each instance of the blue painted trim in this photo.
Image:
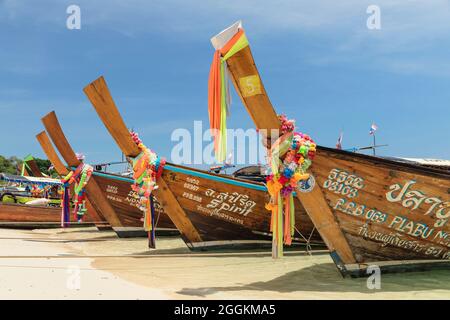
(215, 178)
(108, 176)
(191, 173)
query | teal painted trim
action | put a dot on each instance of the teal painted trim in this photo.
(109, 176)
(191, 173)
(215, 178)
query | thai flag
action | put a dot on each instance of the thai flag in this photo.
(339, 141)
(373, 128)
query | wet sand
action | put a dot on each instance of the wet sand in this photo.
(87, 264)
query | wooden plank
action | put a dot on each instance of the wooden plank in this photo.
(242, 65)
(100, 97)
(258, 106)
(61, 169)
(50, 152)
(58, 138)
(175, 212)
(93, 191)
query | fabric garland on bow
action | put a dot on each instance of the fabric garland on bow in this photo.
(218, 92)
(147, 168)
(36, 191)
(80, 177)
(289, 158)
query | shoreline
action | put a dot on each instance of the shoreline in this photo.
(45, 264)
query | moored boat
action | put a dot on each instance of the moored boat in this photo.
(19, 208)
(115, 189)
(62, 171)
(209, 210)
(368, 210)
(30, 167)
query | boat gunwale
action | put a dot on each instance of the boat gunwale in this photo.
(196, 172)
(437, 173)
(262, 187)
(49, 208)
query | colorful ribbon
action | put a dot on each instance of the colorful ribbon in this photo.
(80, 177)
(147, 168)
(218, 92)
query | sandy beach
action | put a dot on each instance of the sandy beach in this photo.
(88, 264)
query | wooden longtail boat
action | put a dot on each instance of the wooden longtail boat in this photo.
(114, 189)
(23, 216)
(368, 210)
(19, 214)
(62, 171)
(209, 210)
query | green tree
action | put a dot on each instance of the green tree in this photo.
(13, 165)
(8, 165)
(43, 165)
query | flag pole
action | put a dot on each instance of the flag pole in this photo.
(374, 144)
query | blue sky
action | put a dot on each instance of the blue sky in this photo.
(319, 62)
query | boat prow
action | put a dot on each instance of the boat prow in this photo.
(219, 40)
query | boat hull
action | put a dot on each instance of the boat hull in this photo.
(388, 211)
(227, 212)
(224, 208)
(118, 192)
(33, 217)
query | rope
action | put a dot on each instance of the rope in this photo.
(308, 241)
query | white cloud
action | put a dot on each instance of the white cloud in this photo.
(398, 16)
(408, 27)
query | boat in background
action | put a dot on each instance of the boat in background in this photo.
(19, 208)
(115, 189)
(62, 171)
(30, 167)
(209, 210)
(25, 189)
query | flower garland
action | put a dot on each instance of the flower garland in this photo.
(147, 168)
(289, 157)
(80, 177)
(46, 191)
(36, 191)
